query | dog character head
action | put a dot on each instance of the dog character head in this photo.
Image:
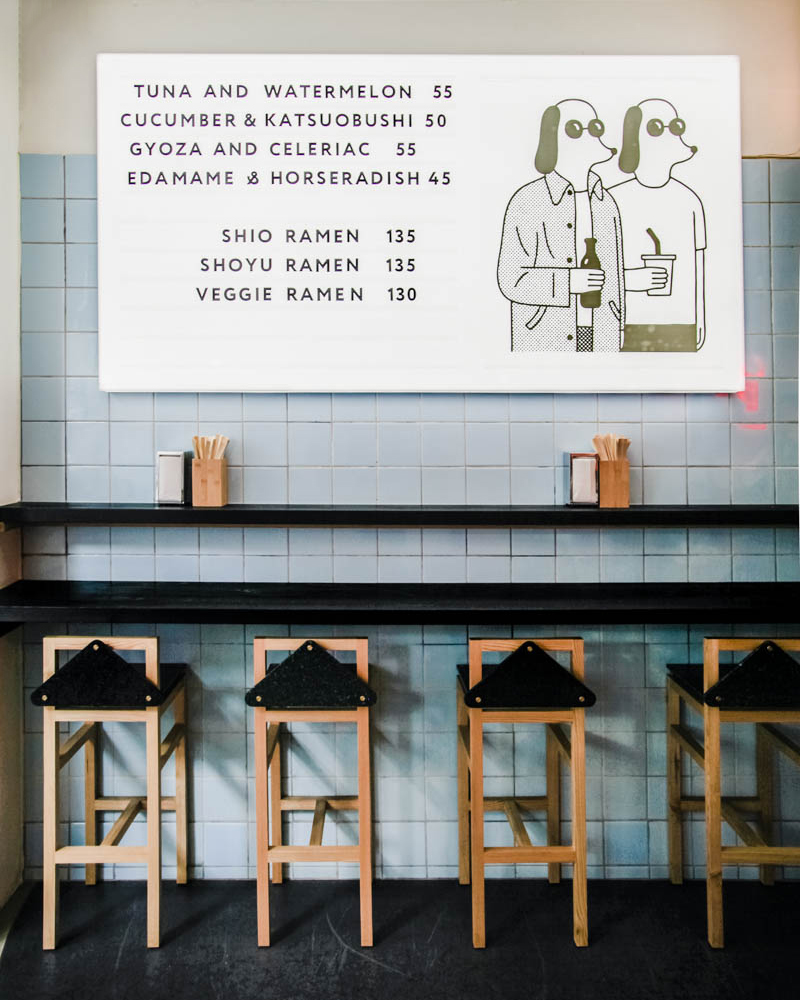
(653, 134)
(570, 138)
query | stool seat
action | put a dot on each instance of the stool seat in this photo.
(512, 684)
(689, 677)
(768, 678)
(311, 678)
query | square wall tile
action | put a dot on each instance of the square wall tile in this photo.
(488, 444)
(785, 267)
(41, 175)
(132, 443)
(265, 485)
(81, 175)
(43, 443)
(42, 265)
(398, 444)
(132, 484)
(755, 180)
(264, 444)
(81, 354)
(310, 444)
(755, 220)
(43, 483)
(398, 406)
(309, 485)
(486, 406)
(81, 306)
(42, 399)
(81, 225)
(784, 180)
(664, 444)
(355, 444)
(785, 221)
(41, 221)
(444, 486)
(42, 354)
(353, 485)
(42, 309)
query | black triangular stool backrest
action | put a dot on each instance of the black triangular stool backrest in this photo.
(767, 678)
(310, 678)
(528, 678)
(97, 677)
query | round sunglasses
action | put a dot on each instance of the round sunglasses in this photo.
(656, 127)
(575, 129)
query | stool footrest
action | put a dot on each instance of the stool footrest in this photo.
(761, 855)
(302, 803)
(529, 855)
(79, 855)
(494, 803)
(109, 804)
(313, 853)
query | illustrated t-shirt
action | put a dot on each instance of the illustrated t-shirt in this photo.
(675, 214)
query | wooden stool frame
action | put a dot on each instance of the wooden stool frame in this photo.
(735, 810)
(472, 855)
(269, 794)
(158, 752)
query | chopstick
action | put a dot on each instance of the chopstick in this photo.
(610, 447)
(210, 448)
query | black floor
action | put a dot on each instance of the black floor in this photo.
(647, 940)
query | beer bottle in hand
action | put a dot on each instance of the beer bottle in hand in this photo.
(591, 300)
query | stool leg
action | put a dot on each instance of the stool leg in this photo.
(765, 792)
(462, 758)
(89, 798)
(580, 917)
(262, 827)
(674, 814)
(553, 768)
(364, 827)
(711, 727)
(153, 741)
(181, 815)
(50, 832)
(476, 827)
(276, 795)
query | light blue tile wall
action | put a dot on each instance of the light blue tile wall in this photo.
(82, 444)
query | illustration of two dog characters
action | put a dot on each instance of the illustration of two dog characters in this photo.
(606, 270)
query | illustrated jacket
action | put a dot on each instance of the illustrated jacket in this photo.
(537, 252)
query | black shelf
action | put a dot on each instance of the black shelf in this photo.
(25, 514)
(332, 603)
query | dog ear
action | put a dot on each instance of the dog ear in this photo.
(547, 151)
(629, 156)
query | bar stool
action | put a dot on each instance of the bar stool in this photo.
(528, 686)
(763, 689)
(96, 686)
(310, 685)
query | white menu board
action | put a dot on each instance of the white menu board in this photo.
(419, 223)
